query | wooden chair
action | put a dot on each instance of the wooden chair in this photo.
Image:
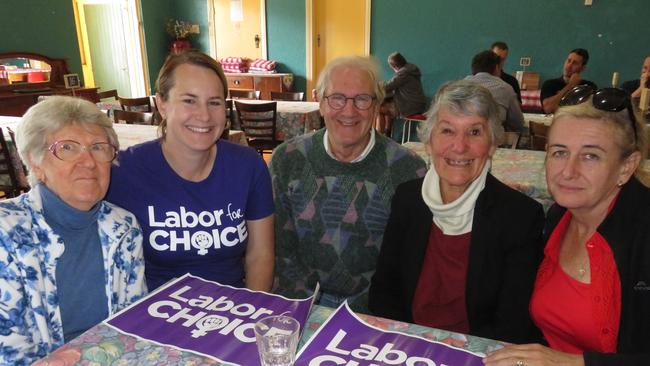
(288, 96)
(108, 94)
(10, 171)
(538, 134)
(229, 120)
(258, 123)
(511, 139)
(130, 118)
(142, 104)
(245, 94)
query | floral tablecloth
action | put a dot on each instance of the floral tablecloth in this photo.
(104, 346)
(522, 170)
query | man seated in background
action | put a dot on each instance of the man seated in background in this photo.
(404, 93)
(333, 190)
(554, 89)
(485, 71)
(634, 87)
(501, 49)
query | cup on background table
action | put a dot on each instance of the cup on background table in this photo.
(277, 339)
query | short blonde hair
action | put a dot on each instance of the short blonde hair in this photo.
(630, 135)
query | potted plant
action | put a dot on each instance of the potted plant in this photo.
(179, 30)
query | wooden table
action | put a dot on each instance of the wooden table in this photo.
(127, 135)
(102, 345)
(546, 119)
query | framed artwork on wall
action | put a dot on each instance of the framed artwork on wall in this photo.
(71, 81)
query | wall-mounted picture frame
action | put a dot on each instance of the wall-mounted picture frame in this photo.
(71, 81)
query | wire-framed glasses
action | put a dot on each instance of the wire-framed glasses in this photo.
(70, 150)
(361, 101)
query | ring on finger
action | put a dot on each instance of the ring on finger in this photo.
(519, 363)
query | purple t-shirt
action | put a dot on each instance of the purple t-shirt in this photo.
(195, 227)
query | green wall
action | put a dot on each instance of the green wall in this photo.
(441, 36)
(285, 20)
(438, 35)
(45, 27)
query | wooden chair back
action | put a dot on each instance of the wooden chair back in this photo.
(538, 135)
(258, 121)
(130, 118)
(288, 96)
(511, 139)
(142, 104)
(245, 94)
(12, 176)
(107, 94)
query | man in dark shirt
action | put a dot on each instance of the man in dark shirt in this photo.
(634, 86)
(501, 49)
(554, 89)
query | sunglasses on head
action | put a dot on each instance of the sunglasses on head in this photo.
(605, 99)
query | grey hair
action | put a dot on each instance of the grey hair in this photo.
(462, 97)
(367, 64)
(50, 115)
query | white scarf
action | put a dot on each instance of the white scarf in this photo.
(453, 218)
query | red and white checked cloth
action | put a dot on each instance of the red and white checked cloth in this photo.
(530, 99)
(263, 65)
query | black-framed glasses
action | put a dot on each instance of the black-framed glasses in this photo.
(605, 99)
(361, 101)
(70, 150)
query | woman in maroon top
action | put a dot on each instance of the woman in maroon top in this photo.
(591, 297)
(460, 249)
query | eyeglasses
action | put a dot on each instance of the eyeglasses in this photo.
(605, 99)
(361, 101)
(70, 150)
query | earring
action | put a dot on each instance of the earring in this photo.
(620, 184)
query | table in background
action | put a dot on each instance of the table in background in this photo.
(522, 170)
(102, 345)
(127, 135)
(293, 118)
(546, 119)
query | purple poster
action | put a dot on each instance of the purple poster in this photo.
(345, 339)
(207, 318)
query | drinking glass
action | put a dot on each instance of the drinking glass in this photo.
(277, 340)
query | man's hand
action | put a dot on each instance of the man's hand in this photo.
(574, 80)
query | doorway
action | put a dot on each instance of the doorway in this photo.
(335, 28)
(110, 42)
(237, 28)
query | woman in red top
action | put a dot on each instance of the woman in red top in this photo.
(591, 296)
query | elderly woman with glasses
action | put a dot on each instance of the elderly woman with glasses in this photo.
(461, 248)
(68, 259)
(592, 293)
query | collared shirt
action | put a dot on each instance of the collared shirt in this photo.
(510, 110)
(359, 158)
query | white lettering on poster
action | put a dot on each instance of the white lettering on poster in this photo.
(365, 352)
(205, 322)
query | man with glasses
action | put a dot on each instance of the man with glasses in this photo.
(333, 189)
(554, 89)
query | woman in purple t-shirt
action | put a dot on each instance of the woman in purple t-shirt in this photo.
(205, 205)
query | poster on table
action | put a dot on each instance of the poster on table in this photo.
(344, 339)
(206, 318)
